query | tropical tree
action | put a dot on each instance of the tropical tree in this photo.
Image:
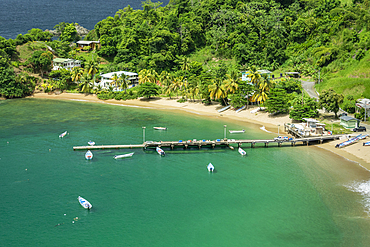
(254, 75)
(217, 90)
(76, 74)
(148, 89)
(115, 80)
(232, 82)
(277, 101)
(85, 83)
(330, 100)
(92, 67)
(144, 76)
(185, 65)
(176, 85)
(124, 81)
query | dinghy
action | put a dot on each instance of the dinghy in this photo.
(210, 167)
(84, 203)
(241, 151)
(160, 128)
(91, 143)
(63, 134)
(240, 109)
(366, 144)
(123, 156)
(160, 151)
(236, 131)
(224, 109)
(88, 155)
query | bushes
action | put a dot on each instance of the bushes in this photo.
(117, 95)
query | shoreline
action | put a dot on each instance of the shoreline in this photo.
(355, 152)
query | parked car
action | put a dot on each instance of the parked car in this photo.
(283, 138)
(360, 128)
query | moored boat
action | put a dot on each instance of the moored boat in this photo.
(240, 109)
(160, 151)
(236, 131)
(241, 151)
(160, 128)
(123, 155)
(84, 203)
(210, 167)
(88, 155)
(225, 108)
(91, 143)
(366, 144)
(348, 142)
(63, 134)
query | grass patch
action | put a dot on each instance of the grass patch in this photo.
(26, 50)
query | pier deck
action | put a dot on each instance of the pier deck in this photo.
(209, 143)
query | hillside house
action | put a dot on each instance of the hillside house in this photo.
(349, 122)
(92, 44)
(106, 79)
(65, 63)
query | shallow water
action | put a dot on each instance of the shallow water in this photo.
(288, 196)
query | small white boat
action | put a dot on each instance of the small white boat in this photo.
(241, 151)
(91, 143)
(236, 131)
(63, 134)
(224, 109)
(366, 144)
(84, 203)
(240, 109)
(123, 156)
(160, 128)
(210, 167)
(160, 151)
(88, 155)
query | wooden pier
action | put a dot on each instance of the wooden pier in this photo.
(212, 144)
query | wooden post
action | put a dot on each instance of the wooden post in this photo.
(266, 144)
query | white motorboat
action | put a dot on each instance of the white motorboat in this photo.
(242, 152)
(160, 151)
(366, 144)
(63, 134)
(123, 155)
(84, 203)
(225, 108)
(236, 131)
(160, 128)
(88, 155)
(210, 167)
(91, 143)
(241, 108)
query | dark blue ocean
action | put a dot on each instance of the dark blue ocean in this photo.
(19, 16)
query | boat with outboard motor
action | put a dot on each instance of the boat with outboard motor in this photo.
(63, 134)
(88, 155)
(160, 128)
(210, 167)
(241, 151)
(236, 131)
(160, 151)
(123, 155)
(84, 203)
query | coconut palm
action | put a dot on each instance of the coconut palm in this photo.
(115, 80)
(217, 89)
(144, 76)
(254, 75)
(92, 67)
(76, 74)
(124, 81)
(260, 95)
(232, 82)
(176, 84)
(85, 83)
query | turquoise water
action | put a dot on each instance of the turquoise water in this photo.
(288, 196)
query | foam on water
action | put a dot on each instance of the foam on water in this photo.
(363, 188)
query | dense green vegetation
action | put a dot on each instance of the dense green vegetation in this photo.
(196, 50)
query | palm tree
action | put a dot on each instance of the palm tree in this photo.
(217, 89)
(166, 80)
(124, 81)
(144, 76)
(232, 82)
(76, 74)
(115, 80)
(185, 65)
(194, 87)
(86, 83)
(92, 67)
(176, 85)
(260, 95)
(254, 75)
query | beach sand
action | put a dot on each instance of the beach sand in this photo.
(355, 152)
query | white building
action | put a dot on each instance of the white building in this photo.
(65, 63)
(106, 79)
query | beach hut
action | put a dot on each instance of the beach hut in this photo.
(349, 122)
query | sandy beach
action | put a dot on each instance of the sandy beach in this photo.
(355, 152)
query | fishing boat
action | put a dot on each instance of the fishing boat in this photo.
(84, 203)
(123, 156)
(241, 151)
(91, 143)
(240, 109)
(366, 144)
(160, 151)
(236, 131)
(88, 155)
(210, 167)
(224, 109)
(348, 142)
(63, 134)
(160, 128)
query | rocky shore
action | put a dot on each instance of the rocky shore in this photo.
(80, 30)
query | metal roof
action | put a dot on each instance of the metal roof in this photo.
(347, 118)
(64, 60)
(111, 74)
(84, 42)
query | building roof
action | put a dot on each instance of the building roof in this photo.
(85, 42)
(347, 118)
(292, 73)
(111, 74)
(310, 120)
(64, 60)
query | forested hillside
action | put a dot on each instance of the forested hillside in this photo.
(185, 37)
